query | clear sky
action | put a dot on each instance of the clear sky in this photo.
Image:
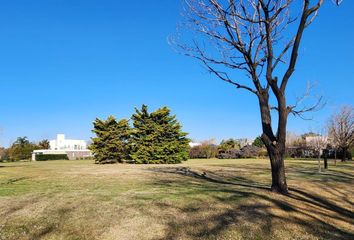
(65, 62)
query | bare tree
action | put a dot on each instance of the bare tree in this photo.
(341, 129)
(254, 36)
(318, 143)
(292, 139)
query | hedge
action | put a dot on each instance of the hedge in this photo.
(45, 157)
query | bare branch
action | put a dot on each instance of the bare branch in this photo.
(341, 128)
(306, 12)
(300, 109)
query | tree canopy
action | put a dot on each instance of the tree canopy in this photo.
(21, 149)
(111, 141)
(341, 129)
(157, 137)
(258, 142)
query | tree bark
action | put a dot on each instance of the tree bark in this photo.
(275, 144)
(325, 163)
(279, 184)
(325, 157)
(335, 157)
(344, 154)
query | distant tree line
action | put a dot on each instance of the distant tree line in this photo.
(229, 149)
(155, 137)
(339, 144)
(21, 149)
(341, 131)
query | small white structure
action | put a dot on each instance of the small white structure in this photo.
(73, 148)
(67, 144)
(194, 144)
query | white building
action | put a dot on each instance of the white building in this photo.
(75, 149)
(67, 144)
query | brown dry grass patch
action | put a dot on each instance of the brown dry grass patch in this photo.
(199, 199)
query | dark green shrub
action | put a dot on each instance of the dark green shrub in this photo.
(46, 157)
(258, 142)
(347, 154)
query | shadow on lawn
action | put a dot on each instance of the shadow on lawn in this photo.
(211, 177)
(324, 176)
(250, 209)
(10, 166)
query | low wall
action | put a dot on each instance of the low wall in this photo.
(73, 155)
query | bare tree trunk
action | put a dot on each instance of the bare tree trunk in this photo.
(344, 154)
(335, 157)
(279, 184)
(319, 162)
(325, 158)
(275, 144)
(325, 163)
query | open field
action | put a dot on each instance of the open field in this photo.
(199, 199)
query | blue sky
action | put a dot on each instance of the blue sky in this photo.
(65, 62)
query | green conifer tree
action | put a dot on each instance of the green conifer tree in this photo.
(111, 143)
(258, 142)
(157, 137)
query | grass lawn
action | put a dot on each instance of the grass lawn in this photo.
(199, 199)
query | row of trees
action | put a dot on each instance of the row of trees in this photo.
(22, 149)
(338, 144)
(155, 137)
(341, 130)
(229, 148)
(337, 136)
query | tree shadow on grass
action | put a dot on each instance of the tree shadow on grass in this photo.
(320, 202)
(210, 177)
(13, 180)
(324, 176)
(250, 209)
(12, 166)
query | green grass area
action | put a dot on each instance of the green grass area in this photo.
(199, 199)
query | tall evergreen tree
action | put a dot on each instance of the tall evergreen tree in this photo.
(258, 142)
(157, 137)
(111, 143)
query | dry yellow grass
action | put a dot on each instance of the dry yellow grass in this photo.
(199, 199)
